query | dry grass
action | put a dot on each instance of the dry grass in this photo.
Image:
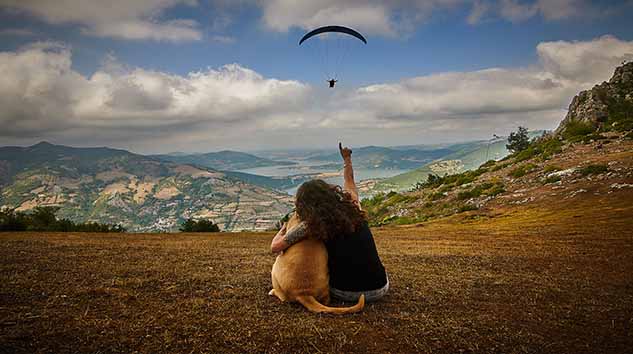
(535, 279)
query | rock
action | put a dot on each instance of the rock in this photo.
(562, 173)
(574, 193)
(592, 106)
(621, 185)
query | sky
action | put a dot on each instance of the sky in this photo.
(157, 76)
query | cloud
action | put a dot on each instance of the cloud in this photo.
(21, 32)
(479, 10)
(235, 107)
(376, 17)
(550, 10)
(139, 19)
(586, 62)
(461, 100)
(41, 94)
(400, 17)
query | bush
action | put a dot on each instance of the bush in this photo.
(496, 190)
(436, 196)
(526, 154)
(593, 170)
(488, 188)
(467, 207)
(43, 218)
(551, 168)
(522, 170)
(575, 129)
(549, 147)
(202, 225)
(519, 140)
(552, 179)
(499, 167)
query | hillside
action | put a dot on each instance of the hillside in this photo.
(387, 158)
(139, 192)
(585, 156)
(467, 157)
(225, 160)
(552, 278)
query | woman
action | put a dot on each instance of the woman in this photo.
(334, 215)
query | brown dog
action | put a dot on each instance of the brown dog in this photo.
(300, 274)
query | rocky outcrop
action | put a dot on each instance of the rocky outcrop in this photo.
(593, 106)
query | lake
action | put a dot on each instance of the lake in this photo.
(307, 167)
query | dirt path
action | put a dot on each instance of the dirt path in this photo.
(531, 279)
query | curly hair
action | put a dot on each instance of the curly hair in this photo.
(327, 210)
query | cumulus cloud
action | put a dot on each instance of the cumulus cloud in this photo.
(586, 62)
(518, 11)
(139, 19)
(374, 16)
(41, 94)
(396, 17)
(232, 106)
(503, 96)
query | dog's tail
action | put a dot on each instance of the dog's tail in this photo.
(313, 305)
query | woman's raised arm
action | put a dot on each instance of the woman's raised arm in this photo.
(348, 173)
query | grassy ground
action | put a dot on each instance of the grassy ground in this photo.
(529, 279)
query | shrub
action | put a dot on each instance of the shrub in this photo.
(43, 218)
(549, 147)
(552, 179)
(499, 167)
(593, 169)
(551, 168)
(202, 225)
(525, 154)
(466, 207)
(522, 170)
(496, 190)
(436, 196)
(487, 188)
(575, 129)
(488, 164)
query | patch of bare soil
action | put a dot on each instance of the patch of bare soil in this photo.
(535, 279)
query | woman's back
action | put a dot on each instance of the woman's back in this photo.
(353, 262)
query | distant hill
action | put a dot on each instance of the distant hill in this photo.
(225, 160)
(465, 156)
(142, 193)
(387, 158)
(278, 183)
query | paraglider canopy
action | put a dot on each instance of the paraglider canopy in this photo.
(339, 29)
(332, 49)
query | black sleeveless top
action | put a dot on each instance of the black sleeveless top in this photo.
(354, 263)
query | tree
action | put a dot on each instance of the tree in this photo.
(43, 218)
(519, 140)
(191, 225)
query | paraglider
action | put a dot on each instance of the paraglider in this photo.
(332, 57)
(326, 29)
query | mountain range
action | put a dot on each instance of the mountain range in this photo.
(142, 193)
(225, 160)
